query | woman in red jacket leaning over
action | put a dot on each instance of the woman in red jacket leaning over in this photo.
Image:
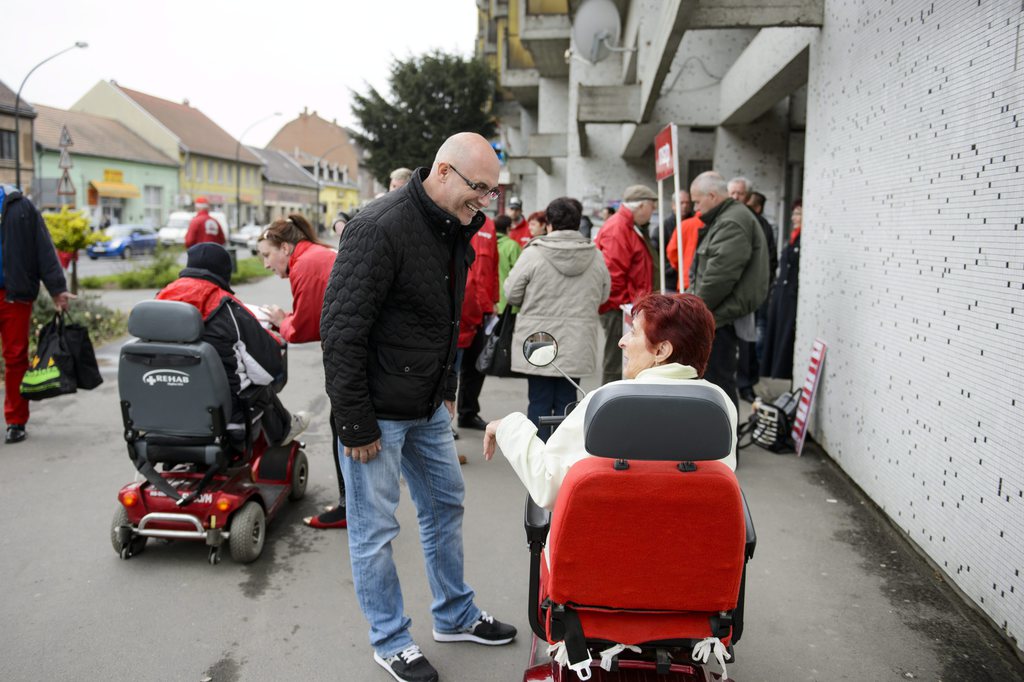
(290, 248)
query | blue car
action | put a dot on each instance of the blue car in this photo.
(123, 241)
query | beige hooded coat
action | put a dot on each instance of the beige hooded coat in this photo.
(558, 283)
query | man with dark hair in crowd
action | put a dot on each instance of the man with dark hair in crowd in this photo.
(682, 210)
(508, 254)
(748, 371)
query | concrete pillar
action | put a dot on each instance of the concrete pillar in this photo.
(757, 151)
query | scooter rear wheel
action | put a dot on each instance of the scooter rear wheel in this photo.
(137, 544)
(248, 532)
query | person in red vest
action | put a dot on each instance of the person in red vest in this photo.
(690, 228)
(203, 227)
(290, 249)
(481, 297)
(628, 253)
(231, 329)
(520, 232)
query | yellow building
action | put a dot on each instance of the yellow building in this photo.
(212, 163)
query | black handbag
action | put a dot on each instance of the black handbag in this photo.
(495, 358)
(770, 424)
(87, 370)
(51, 369)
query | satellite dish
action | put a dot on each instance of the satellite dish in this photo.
(596, 29)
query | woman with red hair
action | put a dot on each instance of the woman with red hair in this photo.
(670, 342)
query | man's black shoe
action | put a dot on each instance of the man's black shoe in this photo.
(409, 665)
(747, 395)
(15, 433)
(486, 630)
(472, 421)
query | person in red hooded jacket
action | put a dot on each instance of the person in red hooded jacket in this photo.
(481, 297)
(205, 283)
(629, 255)
(290, 248)
(203, 228)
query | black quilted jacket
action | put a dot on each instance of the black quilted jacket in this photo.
(390, 320)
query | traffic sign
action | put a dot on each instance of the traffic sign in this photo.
(65, 137)
(65, 187)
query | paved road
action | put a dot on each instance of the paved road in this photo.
(833, 593)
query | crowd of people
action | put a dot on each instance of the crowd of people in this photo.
(406, 303)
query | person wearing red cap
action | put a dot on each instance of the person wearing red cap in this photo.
(203, 228)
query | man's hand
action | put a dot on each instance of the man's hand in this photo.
(491, 438)
(363, 453)
(63, 300)
(275, 314)
(450, 404)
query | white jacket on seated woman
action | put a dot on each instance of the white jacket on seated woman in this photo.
(651, 358)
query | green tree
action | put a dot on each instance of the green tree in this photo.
(434, 96)
(70, 233)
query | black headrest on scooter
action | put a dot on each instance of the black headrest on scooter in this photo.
(166, 321)
(681, 421)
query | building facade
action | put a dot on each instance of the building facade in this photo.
(287, 187)
(117, 176)
(898, 124)
(326, 151)
(26, 115)
(212, 163)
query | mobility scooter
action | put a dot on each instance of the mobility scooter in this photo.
(219, 483)
(647, 544)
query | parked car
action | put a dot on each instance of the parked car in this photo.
(177, 226)
(247, 237)
(123, 241)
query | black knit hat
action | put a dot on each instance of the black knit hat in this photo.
(213, 260)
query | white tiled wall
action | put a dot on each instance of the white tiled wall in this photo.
(913, 271)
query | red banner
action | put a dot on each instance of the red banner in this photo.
(664, 154)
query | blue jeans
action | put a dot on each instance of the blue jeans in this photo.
(421, 450)
(548, 396)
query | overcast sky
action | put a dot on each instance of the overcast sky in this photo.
(236, 60)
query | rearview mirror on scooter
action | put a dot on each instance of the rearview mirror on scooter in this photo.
(541, 349)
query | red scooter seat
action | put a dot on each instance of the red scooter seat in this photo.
(649, 538)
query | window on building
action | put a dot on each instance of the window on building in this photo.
(153, 205)
(7, 144)
(697, 166)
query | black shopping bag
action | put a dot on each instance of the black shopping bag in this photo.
(51, 369)
(495, 358)
(87, 370)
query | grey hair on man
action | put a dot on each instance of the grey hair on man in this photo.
(740, 188)
(710, 182)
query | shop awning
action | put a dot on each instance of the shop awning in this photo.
(117, 190)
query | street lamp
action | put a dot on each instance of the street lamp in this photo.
(238, 168)
(17, 105)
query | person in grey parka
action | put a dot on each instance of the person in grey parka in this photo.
(558, 283)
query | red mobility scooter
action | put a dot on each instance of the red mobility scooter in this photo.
(643, 577)
(220, 483)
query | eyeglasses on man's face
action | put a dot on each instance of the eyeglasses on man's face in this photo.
(491, 193)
